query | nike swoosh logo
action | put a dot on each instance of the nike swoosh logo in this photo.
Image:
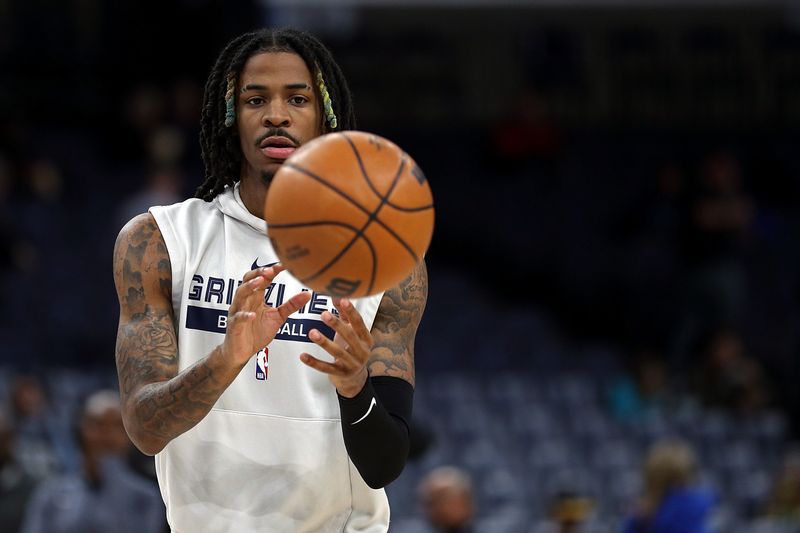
(371, 405)
(256, 265)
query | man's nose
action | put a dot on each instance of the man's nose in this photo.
(276, 114)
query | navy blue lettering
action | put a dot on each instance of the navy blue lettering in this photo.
(279, 296)
(196, 290)
(202, 318)
(268, 293)
(302, 309)
(215, 287)
(231, 288)
(215, 321)
(318, 303)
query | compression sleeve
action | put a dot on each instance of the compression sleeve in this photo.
(375, 428)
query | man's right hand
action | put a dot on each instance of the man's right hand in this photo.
(252, 324)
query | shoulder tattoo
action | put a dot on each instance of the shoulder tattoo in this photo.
(146, 341)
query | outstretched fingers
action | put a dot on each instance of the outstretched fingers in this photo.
(293, 304)
(349, 314)
(250, 294)
(321, 366)
(343, 362)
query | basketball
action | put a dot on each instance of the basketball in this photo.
(349, 214)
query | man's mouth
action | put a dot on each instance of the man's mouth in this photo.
(277, 147)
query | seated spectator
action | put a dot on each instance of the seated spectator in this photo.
(641, 394)
(446, 495)
(16, 485)
(106, 495)
(784, 501)
(42, 440)
(729, 377)
(671, 502)
(569, 513)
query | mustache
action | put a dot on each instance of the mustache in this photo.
(276, 132)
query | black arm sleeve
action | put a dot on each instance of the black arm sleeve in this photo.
(375, 428)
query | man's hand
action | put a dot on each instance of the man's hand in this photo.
(251, 323)
(350, 348)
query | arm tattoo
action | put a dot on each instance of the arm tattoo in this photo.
(396, 325)
(159, 404)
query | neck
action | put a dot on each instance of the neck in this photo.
(254, 193)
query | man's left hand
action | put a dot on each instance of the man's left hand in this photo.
(350, 348)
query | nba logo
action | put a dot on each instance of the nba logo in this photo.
(262, 364)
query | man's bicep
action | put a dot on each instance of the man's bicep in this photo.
(395, 327)
(146, 341)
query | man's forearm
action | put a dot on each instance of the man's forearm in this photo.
(161, 411)
(375, 428)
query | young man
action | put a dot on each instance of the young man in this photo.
(269, 407)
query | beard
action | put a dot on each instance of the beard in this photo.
(266, 176)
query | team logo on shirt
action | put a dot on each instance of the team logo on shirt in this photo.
(209, 298)
(262, 364)
(255, 264)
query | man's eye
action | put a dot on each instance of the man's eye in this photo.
(256, 100)
(298, 100)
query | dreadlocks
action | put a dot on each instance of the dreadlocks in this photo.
(222, 154)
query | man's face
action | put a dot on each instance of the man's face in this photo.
(448, 507)
(103, 433)
(276, 111)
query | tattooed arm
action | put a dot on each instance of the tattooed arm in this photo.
(375, 410)
(387, 350)
(395, 327)
(158, 402)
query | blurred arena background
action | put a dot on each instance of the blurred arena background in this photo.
(616, 253)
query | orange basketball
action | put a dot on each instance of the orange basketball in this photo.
(350, 214)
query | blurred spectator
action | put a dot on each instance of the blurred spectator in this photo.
(446, 496)
(145, 112)
(187, 99)
(671, 503)
(106, 495)
(783, 506)
(729, 377)
(641, 394)
(16, 485)
(718, 215)
(527, 136)
(650, 233)
(569, 513)
(166, 147)
(41, 213)
(164, 187)
(42, 439)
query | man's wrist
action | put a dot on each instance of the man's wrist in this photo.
(351, 388)
(221, 361)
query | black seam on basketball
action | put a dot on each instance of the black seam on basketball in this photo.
(344, 195)
(361, 165)
(359, 233)
(374, 216)
(341, 252)
(384, 199)
(409, 209)
(372, 186)
(313, 223)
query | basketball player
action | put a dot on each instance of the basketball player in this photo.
(304, 436)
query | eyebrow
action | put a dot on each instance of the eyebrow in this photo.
(290, 86)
